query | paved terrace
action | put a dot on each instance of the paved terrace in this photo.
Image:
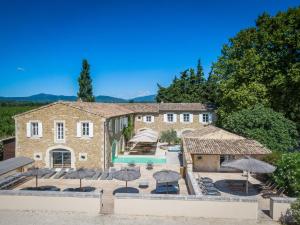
(221, 183)
(109, 186)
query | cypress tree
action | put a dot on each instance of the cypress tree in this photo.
(200, 73)
(85, 92)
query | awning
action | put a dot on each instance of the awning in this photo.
(13, 164)
(145, 136)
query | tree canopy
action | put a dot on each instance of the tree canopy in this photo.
(264, 125)
(85, 92)
(261, 64)
(188, 87)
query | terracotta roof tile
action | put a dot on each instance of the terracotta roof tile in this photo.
(212, 140)
(101, 109)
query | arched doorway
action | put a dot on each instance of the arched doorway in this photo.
(60, 158)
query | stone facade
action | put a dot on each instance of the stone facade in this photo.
(106, 121)
(92, 147)
(158, 124)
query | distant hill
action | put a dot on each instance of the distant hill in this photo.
(148, 98)
(41, 98)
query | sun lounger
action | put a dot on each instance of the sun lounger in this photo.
(104, 175)
(11, 180)
(110, 174)
(68, 175)
(50, 174)
(61, 173)
(277, 193)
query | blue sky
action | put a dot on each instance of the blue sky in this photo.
(131, 45)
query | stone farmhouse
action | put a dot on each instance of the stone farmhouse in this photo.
(81, 134)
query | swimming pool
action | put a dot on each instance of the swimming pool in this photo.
(175, 148)
(139, 159)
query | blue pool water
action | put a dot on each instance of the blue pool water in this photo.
(175, 148)
(139, 159)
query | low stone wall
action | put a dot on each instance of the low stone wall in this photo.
(50, 201)
(279, 206)
(192, 184)
(188, 206)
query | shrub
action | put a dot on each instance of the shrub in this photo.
(265, 125)
(169, 136)
(287, 173)
(295, 209)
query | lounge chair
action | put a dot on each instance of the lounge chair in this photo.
(52, 172)
(272, 188)
(104, 175)
(61, 173)
(277, 193)
(97, 175)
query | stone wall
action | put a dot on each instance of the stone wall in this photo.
(279, 206)
(29, 146)
(206, 163)
(50, 201)
(159, 125)
(187, 206)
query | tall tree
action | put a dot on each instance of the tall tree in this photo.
(261, 64)
(85, 92)
(189, 87)
(200, 73)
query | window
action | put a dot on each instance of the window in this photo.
(139, 118)
(148, 118)
(225, 158)
(186, 117)
(60, 131)
(61, 159)
(205, 118)
(34, 128)
(85, 129)
(170, 117)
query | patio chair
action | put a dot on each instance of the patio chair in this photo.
(277, 193)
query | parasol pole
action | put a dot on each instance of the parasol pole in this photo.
(247, 182)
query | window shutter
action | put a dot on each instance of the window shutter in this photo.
(91, 127)
(209, 117)
(200, 118)
(165, 117)
(152, 119)
(40, 129)
(175, 117)
(144, 119)
(191, 117)
(126, 121)
(78, 129)
(181, 117)
(28, 130)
